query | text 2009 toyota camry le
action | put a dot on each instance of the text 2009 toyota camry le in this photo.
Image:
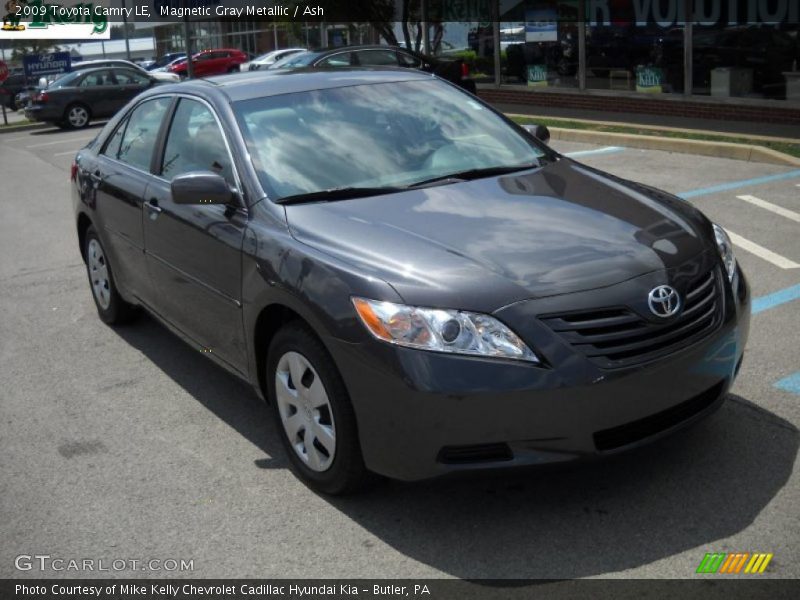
(416, 285)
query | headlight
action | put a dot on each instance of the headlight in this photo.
(725, 250)
(441, 330)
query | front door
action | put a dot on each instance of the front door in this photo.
(193, 250)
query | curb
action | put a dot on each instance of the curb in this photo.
(747, 152)
(23, 127)
(656, 129)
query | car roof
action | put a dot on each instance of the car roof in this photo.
(257, 84)
(111, 62)
(361, 47)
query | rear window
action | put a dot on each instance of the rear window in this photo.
(296, 60)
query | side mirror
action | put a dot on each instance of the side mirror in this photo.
(201, 187)
(540, 132)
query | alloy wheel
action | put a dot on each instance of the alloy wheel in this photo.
(78, 116)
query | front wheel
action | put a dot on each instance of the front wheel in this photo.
(111, 308)
(313, 412)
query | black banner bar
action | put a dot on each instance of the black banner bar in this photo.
(706, 587)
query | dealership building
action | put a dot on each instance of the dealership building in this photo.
(712, 59)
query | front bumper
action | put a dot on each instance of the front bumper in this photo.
(425, 414)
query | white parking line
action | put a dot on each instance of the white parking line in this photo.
(778, 210)
(761, 252)
(65, 153)
(606, 150)
(15, 139)
(69, 141)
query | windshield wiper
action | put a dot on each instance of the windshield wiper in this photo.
(342, 193)
(473, 174)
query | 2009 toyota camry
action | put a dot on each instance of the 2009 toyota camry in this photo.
(417, 285)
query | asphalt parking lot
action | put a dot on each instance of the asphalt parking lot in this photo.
(127, 444)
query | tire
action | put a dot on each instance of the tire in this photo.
(77, 116)
(111, 308)
(335, 471)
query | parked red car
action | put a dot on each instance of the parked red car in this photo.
(212, 62)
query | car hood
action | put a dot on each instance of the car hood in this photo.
(483, 244)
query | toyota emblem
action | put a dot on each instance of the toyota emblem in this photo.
(664, 301)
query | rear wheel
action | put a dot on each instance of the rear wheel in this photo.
(313, 413)
(76, 116)
(111, 308)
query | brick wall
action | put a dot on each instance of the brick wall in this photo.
(645, 104)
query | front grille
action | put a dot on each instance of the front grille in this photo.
(618, 337)
(459, 455)
(617, 437)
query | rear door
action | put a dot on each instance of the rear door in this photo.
(194, 251)
(120, 178)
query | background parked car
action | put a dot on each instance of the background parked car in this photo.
(265, 60)
(25, 97)
(78, 97)
(94, 64)
(13, 85)
(212, 62)
(166, 68)
(165, 60)
(454, 70)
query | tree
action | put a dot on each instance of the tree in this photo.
(21, 48)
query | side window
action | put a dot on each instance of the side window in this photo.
(377, 58)
(98, 78)
(195, 143)
(126, 77)
(139, 137)
(344, 59)
(408, 60)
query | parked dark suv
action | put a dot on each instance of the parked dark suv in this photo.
(417, 285)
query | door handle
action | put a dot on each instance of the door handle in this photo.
(153, 208)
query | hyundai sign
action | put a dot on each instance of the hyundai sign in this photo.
(46, 64)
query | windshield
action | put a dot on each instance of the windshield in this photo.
(375, 135)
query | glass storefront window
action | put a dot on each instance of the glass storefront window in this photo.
(755, 60)
(541, 48)
(643, 57)
(738, 49)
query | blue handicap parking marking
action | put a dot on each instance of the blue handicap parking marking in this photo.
(732, 185)
(789, 384)
(774, 299)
